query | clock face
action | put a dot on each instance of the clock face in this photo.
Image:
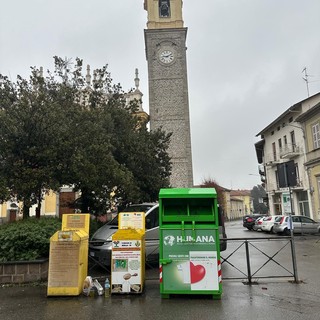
(166, 56)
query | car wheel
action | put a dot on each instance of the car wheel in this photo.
(271, 230)
(286, 232)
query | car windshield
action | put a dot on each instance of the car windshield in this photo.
(138, 208)
(133, 208)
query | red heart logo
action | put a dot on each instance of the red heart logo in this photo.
(197, 272)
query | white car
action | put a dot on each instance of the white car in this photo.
(257, 224)
(267, 223)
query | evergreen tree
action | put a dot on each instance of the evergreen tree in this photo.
(62, 129)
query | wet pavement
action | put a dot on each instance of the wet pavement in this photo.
(269, 298)
(239, 301)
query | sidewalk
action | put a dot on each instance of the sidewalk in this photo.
(263, 301)
(278, 300)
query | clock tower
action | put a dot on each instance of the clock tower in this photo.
(165, 40)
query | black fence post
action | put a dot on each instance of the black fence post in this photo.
(248, 262)
(294, 260)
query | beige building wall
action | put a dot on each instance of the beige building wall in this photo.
(247, 204)
(315, 187)
(50, 203)
(48, 208)
(227, 204)
(155, 22)
(237, 208)
(3, 212)
(313, 163)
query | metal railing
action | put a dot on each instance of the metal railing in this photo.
(246, 259)
(259, 258)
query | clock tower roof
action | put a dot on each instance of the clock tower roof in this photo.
(164, 14)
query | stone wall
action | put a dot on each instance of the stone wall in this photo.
(23, 271)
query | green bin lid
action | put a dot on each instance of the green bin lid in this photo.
(188, 193)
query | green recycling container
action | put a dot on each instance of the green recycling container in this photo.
(189, 242)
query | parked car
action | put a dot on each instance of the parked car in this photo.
(257, 224)
(100, 246)
(301, 224)
(249, 220)
(267, 223)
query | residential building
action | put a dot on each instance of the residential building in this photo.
(310, 122)
(236, 208)
(245, 197)
(236, 203)
(282, 153)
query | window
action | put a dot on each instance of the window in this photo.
(316, 136)
(164, 8)
(280, 144)
(298, 182)
(285, 140)
(293, 141)
(306, 220)
(303, 203)
(295, 219)
(274, 151)
(152, 219)
(277, 178)
(318, 185)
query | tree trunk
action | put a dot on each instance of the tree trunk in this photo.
(85, 200)
(38, 208)
(26, 209)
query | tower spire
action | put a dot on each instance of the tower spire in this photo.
(88, 76)
(137, 80)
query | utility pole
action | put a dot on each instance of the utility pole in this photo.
(290, 222)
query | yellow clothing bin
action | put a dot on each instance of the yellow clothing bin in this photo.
(68, 259)
(128, 258)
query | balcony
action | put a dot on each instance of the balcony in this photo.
(272, 163)
(274, 188)
(290, 151)
(298, 186)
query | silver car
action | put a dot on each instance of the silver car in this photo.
(100, 246)
(301, 224)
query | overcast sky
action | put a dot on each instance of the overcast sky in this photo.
(245, 60)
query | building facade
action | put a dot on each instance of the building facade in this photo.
(282, 154)
(245, 197)
(310, 122)
(165, 41)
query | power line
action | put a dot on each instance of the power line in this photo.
(306, 79)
